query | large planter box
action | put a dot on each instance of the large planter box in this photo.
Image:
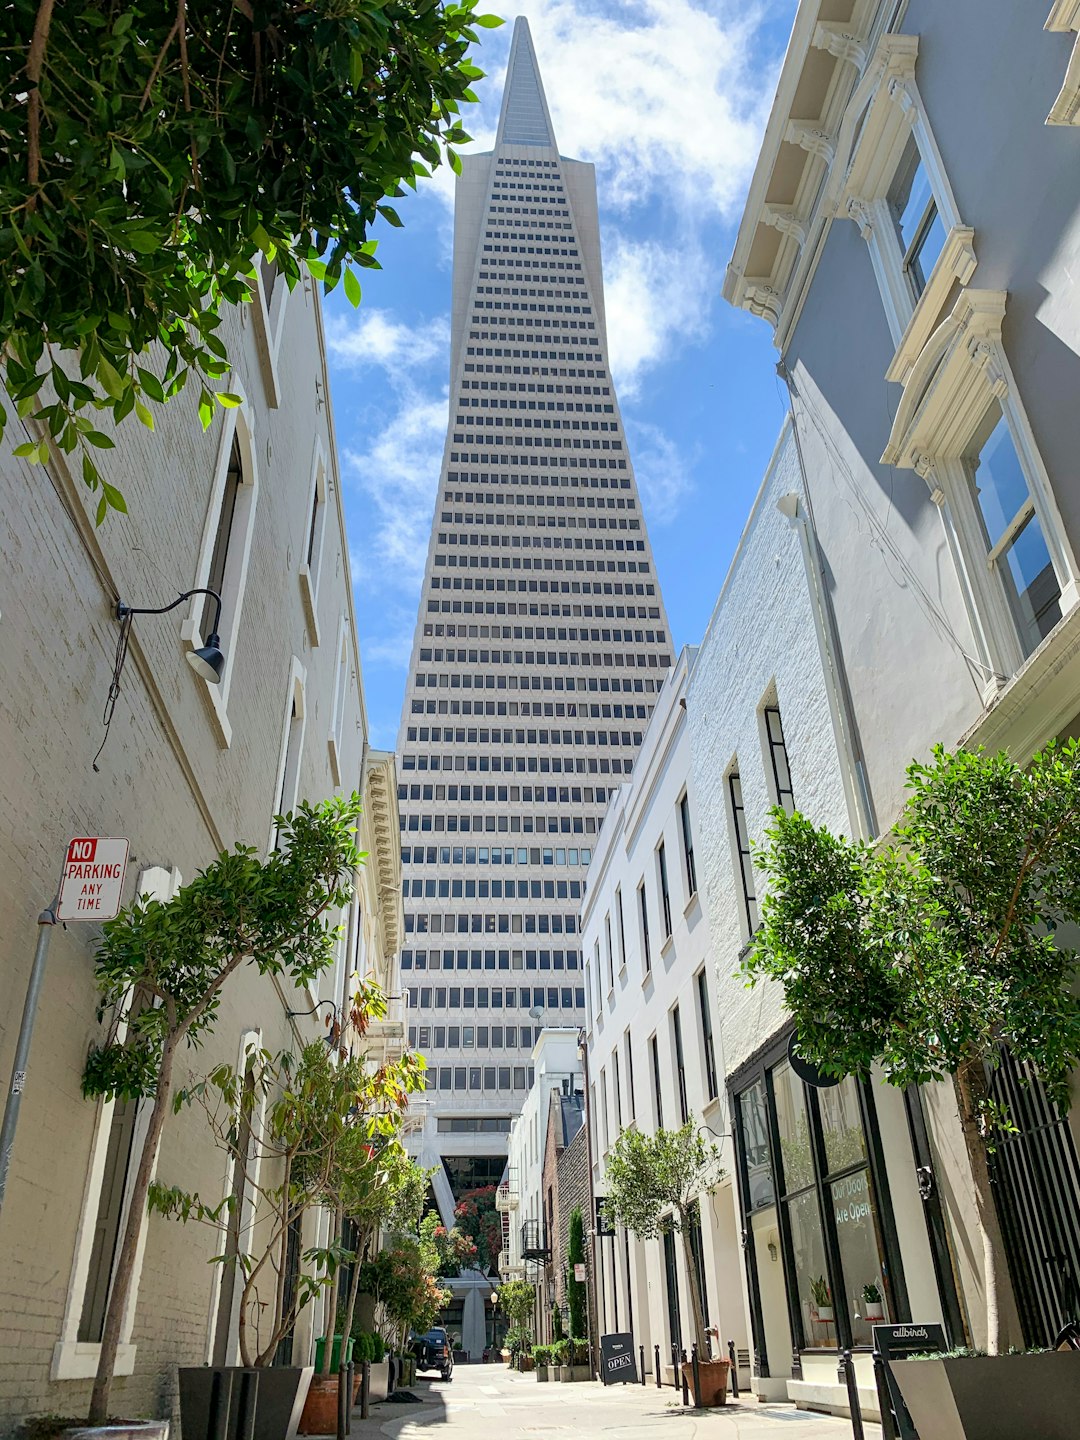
(542, 1373)
(525, 1363)
(282, 1393)
(569, 1374)
(993, 1397)
(379, 1380)
(713, 1375)
(123, 1430)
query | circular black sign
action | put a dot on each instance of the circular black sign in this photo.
(806, 1071)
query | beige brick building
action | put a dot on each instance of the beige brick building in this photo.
(252, 508)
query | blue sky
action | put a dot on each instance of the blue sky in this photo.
(668, 98)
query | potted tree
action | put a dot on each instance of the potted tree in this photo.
(925, 958)
(160, 969)
(313, 1143)
(655, 1184)
(516, 1300)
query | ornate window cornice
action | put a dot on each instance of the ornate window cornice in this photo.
(1064, 17)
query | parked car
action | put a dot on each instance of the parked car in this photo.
(433, 1351)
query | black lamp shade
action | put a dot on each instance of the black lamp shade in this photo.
(208, 661)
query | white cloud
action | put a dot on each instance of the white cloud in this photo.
(657, 296)
(376, 338)
(663, 472)
(398, 471)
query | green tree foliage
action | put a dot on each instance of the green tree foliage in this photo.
(452, 1251)
(160, 969)
(151, 153)
(323, 1117)
(655, 1183)
(576, 1289)
(516, 1301)
(928, 956)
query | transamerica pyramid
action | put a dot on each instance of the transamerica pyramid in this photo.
(540, 644)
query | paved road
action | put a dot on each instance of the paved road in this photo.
(488, 1402)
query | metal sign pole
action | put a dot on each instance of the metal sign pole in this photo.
(46, 921)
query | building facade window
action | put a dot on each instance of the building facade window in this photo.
(224, 555)
(608, 951)
(622, 928)
(643, 911)
(779, 770)
(630, 1095)
(658, 1093)
(688, 846)
(680, 1064)
(1016, 548)
(665, 890)
(292, 744)
(814, 1200)
(671, 1287)
(960, 424)
(742, 855)
(314, 537)
(916, 218)
(712, 1085)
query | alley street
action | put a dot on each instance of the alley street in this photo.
(488, 1402)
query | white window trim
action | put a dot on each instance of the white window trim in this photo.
(888, 103)
(1064, 18)
(957, 376)
(343, 678)
(297, 691)
(241, 424)
(268, 329)
(249, 1040)
(318, 490)
(72, 1358)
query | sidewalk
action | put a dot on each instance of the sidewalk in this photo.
(488, 1402)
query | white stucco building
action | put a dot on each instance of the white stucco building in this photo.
(655, 1048)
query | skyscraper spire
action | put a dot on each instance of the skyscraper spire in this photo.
(540, 645)
(525, 119)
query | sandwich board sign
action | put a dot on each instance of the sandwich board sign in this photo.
(617, 1363)
(93, 878)
(895, 1342)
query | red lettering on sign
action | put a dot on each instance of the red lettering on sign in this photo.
(81, 850)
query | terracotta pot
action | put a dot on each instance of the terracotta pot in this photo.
(714, 1380)
(320, 1407)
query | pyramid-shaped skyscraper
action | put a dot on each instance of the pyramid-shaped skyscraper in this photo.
(540, 644)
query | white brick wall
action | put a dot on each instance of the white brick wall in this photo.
(761, 637)
(168, 784)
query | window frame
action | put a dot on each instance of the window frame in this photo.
(315, 520)
(343, 678)
(742, 856)
(287, 773)
(643, 918)
(665, 891)
(239, 424)
(708, 1038)
(686, 835)
(886, 112)
(955, 381)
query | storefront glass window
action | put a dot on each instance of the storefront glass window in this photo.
(754, 1125)
(860, 1256)
(794, 1127)
(808, 1250)
(841, 1122)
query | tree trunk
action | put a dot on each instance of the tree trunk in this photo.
(125, 1263)
(698, 1311)
(354, 1287)
(970, 1085)
(331, 1307)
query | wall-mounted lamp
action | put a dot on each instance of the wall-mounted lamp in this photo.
(773, 1251)
(207, 661)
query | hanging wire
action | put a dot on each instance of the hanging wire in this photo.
(114, 684)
